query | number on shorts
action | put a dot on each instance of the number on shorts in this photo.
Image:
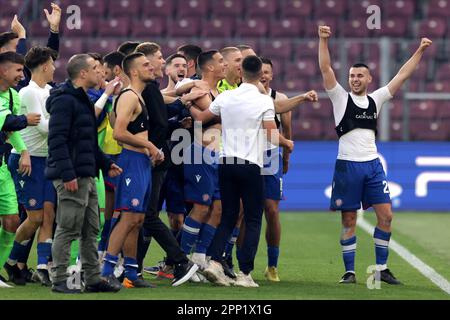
(386, 187)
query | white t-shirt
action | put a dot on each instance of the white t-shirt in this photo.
(243, 111)
(358, 144)
(32, 100)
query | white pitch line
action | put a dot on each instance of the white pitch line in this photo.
(421, 266)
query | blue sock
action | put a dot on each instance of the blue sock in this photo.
(205, 238)
(381, 246)
(231, 242)
(348, 253)
(189, 236)
(272, 254)
(18, 250)
(44, 252)
(131, 267)
(109, 265)
(103, 243)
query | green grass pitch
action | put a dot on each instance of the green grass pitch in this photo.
(310, 265)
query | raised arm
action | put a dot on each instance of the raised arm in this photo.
(408, 68)
(329, 79)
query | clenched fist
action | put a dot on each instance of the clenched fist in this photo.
(324, 32)
(311, 96)
(425, 43)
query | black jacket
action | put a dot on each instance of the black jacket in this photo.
(158, 121)
(73, 150)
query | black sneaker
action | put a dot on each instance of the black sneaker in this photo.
(107, 284)
(28, 273)
(61, 287)
(139, 283)
(228, 269)
(183, 272)
(348, 277)
(388, 277)
(42, 276)
(14, 274)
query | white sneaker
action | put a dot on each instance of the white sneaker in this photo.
(243, 280)
(214, 273)
(4, 285)
(200, 260)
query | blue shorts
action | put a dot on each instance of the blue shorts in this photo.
(133, 186)
(201, 180)
(109, 182)
(358, 182)
(32, 191)
(273, 175)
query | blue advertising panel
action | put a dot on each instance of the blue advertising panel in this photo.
(418, 174)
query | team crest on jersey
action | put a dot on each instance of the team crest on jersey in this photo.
(198, 178)
(205, 197)
(338, 202)
(128, 181)
(32, 202)
(135, 202)
(22, 183)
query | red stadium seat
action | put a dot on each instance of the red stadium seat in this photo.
(323, 109)
(354, 51)
(185, 27)
(233, 8)
(11, 7)
(432, 28)
(288, 27)
(102, 46)
(396, 133)
(307, 129)
(114, 27)
(149, 27)
(255, 27)
(162, 8)
(329, 129)
(193, 8)
(443, 72)
(312, 26)
(443, 110)
(297, 8)
(39, 28)
(422, 110)
(392, 27)
(305, 68)
(265, 8)
(213, 44)
(70, 47)
(399, 8)
(60, 71)
(91, 8)
(119, 8)
(358, 9)
(219, 27)
(396, 109)
(355, 28)
(438, 86)
(428, 130)
(277, 49)
(439, 8)
(291, 85)
(330, 8)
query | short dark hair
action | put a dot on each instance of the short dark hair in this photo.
(190, 51)
(128, 47)
(96, 56)
(114, 58)
(244, 47)
(37, 56)
(266, 61)
(77, 63)
(6, 37)
(148, 48)
(12, 57)
(205, 57)
(128, 61)
(251, 67)
(174, 56)
(361, 65)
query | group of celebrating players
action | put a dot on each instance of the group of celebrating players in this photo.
(104, 150)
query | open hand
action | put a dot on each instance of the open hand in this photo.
(54, 19)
